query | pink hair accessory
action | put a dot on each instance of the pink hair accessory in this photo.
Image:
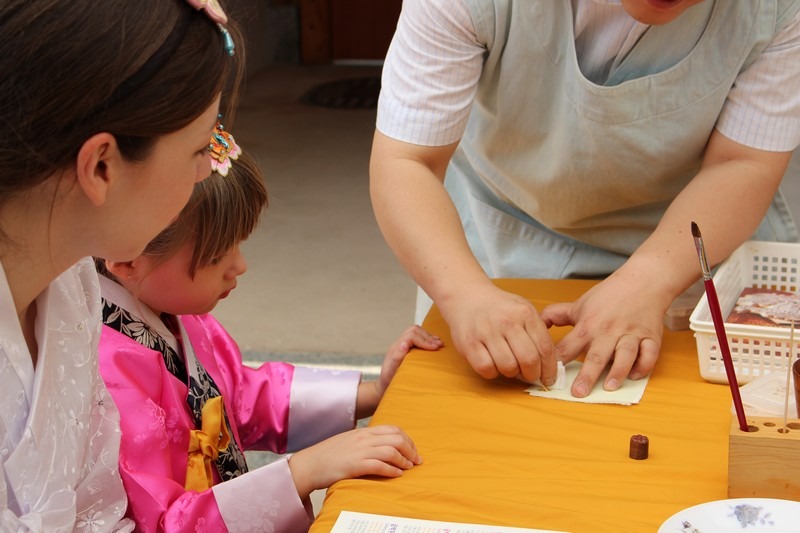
(212, 8)
(223, 149)
(214, 12)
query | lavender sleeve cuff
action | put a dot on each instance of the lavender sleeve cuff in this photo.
(264, 499)
(323, 404)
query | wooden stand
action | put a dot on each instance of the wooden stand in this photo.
(764, 463)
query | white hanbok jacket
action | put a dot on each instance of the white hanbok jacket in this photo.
(59, 429)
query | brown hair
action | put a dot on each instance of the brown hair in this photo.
(222, 211)
(70, 70)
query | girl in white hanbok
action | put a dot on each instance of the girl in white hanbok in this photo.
(106, 110)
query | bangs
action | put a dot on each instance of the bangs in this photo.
(227, 209)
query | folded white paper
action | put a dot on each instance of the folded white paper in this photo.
(628, 394)
(561, 379)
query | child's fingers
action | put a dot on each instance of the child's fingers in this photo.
(414, 336)
(422, 338)
(376, 467)
(385, 460)
(399, 442)
(395, 356)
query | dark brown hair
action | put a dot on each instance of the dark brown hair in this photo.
(70, 70)
(222, 211)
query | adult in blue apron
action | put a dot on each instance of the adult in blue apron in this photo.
(559, 177)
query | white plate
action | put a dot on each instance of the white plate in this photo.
(741, 514)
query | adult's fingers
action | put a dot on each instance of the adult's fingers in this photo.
(625, 354)
(526, 356)
(537, 331)
(558, 314)
(479, 358)
(597, 357)
(649, 350)
(502, 356)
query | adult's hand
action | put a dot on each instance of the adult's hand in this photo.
(500, 334)
(620, 320)
(497, 332)
(617, 323)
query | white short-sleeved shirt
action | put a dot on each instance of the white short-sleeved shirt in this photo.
(431, 73)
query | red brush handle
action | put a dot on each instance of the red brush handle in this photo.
(722, 339)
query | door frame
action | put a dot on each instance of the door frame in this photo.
(332, 30)
(315, 32)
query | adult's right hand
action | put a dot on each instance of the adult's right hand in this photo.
(497, 332)
(500, 334)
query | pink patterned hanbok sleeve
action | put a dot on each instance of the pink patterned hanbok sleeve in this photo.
(277, 407)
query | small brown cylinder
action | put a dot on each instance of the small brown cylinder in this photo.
(640, 447)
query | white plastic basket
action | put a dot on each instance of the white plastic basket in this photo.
(755, 350)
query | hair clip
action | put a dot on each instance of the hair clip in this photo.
(223, 149)
(212, 8)
(214, 11)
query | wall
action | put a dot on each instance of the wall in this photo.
(271, 31)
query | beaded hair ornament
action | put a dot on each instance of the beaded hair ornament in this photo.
(223, 149)
(214, 11)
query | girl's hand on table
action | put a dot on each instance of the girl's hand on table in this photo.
(500, 333)
(413, 337)
(371, 392)
(380, 451)
(615, 322)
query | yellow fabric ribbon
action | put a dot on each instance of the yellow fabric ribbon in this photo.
(205, 445)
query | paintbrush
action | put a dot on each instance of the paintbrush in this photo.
(789, 380)
(719, 327)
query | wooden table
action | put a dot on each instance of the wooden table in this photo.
(495, 455)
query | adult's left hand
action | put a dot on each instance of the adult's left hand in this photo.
(617, 323)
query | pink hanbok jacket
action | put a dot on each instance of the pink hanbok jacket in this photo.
(276, 407)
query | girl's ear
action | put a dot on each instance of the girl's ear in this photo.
(97, 164)
(124, 270)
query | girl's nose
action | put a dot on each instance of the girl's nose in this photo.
(239, 265)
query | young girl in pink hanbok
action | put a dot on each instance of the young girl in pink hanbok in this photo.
(190, 407)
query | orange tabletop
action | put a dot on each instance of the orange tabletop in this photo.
(495, 455)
